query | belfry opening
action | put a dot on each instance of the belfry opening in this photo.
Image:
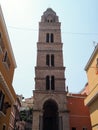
(50, 115)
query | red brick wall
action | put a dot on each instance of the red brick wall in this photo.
(79, 114)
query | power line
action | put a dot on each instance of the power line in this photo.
(80, 33)
(21, 28)
(68, 33)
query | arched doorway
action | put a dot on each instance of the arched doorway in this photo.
(50, 115)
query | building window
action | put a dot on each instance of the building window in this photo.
(49, 20)
(1, 44)
(47, 83)
(1, 100)
(50, 60)
(73, 128)
(4, 127)
(49, 37)
(50, 83)
(52, 37)
(84, 128)
(47, 60)
(6, 60)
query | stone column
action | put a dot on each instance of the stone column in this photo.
(64, 121)
(35, 120)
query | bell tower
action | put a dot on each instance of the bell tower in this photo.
(50, 104)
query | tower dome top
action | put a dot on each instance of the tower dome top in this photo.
(49, 11)
(49, 15)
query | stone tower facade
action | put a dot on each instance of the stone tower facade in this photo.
(50, 104)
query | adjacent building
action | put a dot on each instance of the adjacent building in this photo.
(24, 121)
(79, 116)
(8, 97)
(92, 99)
(26, 103)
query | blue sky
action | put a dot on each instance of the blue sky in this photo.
(79, 26)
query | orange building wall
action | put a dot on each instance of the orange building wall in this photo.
(92, 99)
(78, 112)
(7, 68)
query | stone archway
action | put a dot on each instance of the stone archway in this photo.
(50, 115)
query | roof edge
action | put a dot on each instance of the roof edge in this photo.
(91, 57)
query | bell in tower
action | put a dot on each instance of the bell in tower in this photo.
(50, 103)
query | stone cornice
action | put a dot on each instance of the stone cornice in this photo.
(94, 97)
(49, 68)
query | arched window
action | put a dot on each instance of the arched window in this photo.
(52, 83)
(52, 37)
(52, 60)
(47, 83)
(47, 60)
(47, 37)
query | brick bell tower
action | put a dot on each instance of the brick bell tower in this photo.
(50, 104)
